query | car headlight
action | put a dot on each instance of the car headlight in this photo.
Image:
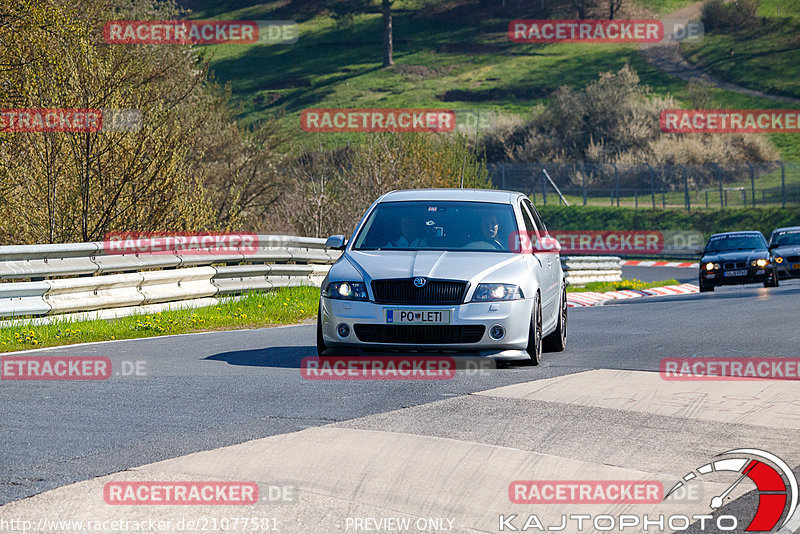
(346, 291)
(778, 259)
(709, 266)
(493, 292)
(761, 262)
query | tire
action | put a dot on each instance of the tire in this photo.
(534, 348)
(774, 281)
(321, 347)
(706, 288)
(557, 341)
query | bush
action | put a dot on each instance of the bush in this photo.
(720, 16)
(615, 119)
(328, 191)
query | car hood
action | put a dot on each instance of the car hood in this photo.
(789, 250)
(735, 255)
(467, 266)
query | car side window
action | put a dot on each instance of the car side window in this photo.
(536, 217)
(530, 227)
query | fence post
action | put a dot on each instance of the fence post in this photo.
(719, 178)
(752, 184)
(503, 175)
(544, 189)
(616, 181)
(783, 184)
(686, 188)
(583, 183)
(706, 197)
(663, 199)
(635, 198)
(652, 184)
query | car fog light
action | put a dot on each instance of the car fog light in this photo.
(497, 332)
(343, 330)
(779, 259)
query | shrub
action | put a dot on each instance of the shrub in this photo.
(720, 16)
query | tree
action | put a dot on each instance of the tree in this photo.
(613, 8)
(343, 11)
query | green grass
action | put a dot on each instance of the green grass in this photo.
(765, 57)
(448, 55)
(254, 310)
(602, 287)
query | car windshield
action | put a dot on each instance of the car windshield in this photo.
(432, 225)
(735, 242)
(785, 239)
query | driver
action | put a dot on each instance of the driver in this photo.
(489, 229)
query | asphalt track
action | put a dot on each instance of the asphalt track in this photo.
(206, 391)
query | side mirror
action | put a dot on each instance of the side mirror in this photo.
(699, 252)
(336, 242)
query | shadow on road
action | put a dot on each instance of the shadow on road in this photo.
(287, 357)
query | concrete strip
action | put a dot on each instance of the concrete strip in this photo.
(339, 473)
(765, 403)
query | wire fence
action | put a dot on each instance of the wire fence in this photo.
(641, 186)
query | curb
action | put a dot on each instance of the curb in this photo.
(591, 298)
(687, 265)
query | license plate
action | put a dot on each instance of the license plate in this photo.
(735, 273)
(795, 266)
(417, 316)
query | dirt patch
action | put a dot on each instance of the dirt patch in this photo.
(423, 71)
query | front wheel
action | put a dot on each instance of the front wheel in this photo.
(557, 341)
(534, 348)
(321, 347)
(772, 282)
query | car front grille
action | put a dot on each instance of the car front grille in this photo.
(735, 265)
(793, 259)
(403, 291)
(419, 334)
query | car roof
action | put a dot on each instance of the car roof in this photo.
(742, 233)
(453, 194)
(787, 229)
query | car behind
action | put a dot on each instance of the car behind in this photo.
(785, 246)
(733, 258)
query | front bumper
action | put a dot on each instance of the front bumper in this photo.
(368, 317)
(785, 269)
(754, 275)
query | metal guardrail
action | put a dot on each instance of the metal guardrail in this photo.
(87, 277)
(581, 270)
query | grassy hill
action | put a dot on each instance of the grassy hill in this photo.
(449, 54)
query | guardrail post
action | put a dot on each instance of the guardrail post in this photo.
(752, 184)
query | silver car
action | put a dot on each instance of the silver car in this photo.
(446, 270)
(785, 246)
